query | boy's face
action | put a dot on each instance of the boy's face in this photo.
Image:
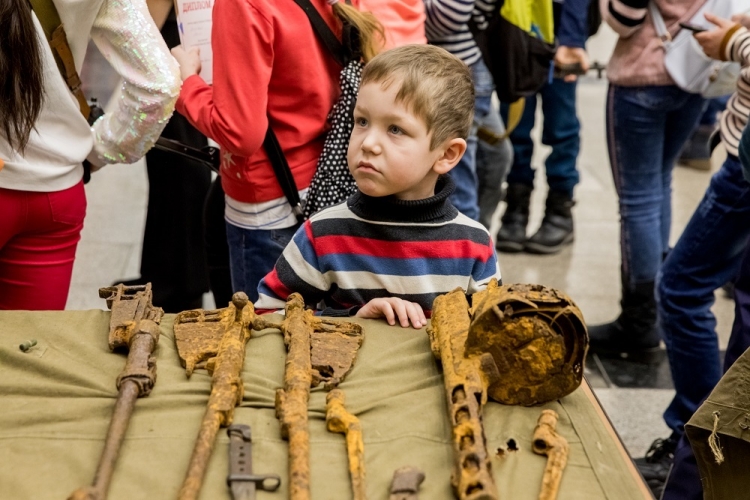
(389, 150)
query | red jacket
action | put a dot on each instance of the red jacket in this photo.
(268, 61)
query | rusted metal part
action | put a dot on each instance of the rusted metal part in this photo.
(405, 484)
(548, 442)
(241, 480)
(338, 419)
(318, 350)
(225, 367)
(466, 392)
(133, 325)
(537, 338)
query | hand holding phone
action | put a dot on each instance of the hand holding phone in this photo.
(693, 27)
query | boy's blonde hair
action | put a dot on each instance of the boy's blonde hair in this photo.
(435, 85)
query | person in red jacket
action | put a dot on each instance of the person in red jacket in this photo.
(270, 69)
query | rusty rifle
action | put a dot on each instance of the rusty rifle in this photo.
(134, 325)
(318, 350)
(226, 382)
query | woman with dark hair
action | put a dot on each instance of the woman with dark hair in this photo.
(44, 137)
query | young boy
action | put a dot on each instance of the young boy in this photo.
(398, 243)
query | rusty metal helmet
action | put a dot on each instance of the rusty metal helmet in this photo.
(537, 338)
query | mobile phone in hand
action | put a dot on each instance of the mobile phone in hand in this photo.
(561, 71)
(693, 27)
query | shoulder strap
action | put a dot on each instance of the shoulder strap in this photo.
(659, 24)
(48, 17)
(324, 32)
(271, 143)
(283, 172)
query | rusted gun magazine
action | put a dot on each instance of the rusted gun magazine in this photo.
(518, 344)
(133, 325)
(217, 338)
(318, 350)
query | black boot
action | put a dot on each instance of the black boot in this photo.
(556, 230)
(634, 333)
(512, 235)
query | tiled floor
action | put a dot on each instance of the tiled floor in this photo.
(588, 270)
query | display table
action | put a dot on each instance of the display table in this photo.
(57, 401)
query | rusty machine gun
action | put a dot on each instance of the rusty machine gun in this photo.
(517, 344)
(134, 326)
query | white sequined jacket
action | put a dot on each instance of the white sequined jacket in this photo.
(125, 34)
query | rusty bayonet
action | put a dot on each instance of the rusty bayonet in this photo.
(241, 480)
(216, 338)
(133, 325)
(318, 350)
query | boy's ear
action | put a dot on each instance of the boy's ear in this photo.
(453, 150)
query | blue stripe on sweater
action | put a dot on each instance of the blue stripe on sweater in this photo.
(397, 267)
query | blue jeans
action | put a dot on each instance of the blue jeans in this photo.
(707, 255)
(252, 255)
(684, 482)
(464, 174)
(493, 160)
(561, 131)
(646, 129)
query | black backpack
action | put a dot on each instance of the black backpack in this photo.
(519, 62)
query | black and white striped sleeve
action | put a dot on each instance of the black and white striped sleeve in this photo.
(624, 16)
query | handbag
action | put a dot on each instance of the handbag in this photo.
(690, 68)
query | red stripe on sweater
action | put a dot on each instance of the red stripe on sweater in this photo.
(277, 287)
(441, 249)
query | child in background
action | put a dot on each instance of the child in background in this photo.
(397, 243)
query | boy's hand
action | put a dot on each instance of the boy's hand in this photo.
(565, 56)
(189, 61)
(711, 41)
(391, 308)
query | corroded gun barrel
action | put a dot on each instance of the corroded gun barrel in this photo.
(133, 326)
(318, 350)
(226, 382)
(466, 385)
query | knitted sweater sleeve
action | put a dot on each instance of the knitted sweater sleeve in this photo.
(626, 17)
(297, 270)
(485, 268)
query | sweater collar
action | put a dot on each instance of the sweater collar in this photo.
(389, 209)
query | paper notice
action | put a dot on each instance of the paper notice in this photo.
(194, 20)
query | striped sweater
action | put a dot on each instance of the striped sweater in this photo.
(446, 25)
(367, 248)
(734, 118)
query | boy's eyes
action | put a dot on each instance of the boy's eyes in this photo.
(393, 129)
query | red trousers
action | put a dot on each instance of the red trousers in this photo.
(39, 233)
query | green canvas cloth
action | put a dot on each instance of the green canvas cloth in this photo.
(727, 411)
(57, 401)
